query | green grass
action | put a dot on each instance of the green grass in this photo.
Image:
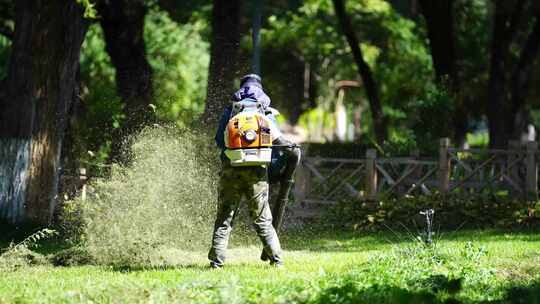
(328, 267)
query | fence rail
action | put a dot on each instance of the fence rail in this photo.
(512, 172)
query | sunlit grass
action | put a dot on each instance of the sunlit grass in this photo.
(320, 268)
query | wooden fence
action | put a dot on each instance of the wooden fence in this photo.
(512, 172)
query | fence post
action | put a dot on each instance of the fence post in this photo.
(513, 147)
(532, 171)
(417, 173)
(444, 166)
(82, 179)
(371, 174)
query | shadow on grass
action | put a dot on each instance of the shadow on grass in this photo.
(441, 290)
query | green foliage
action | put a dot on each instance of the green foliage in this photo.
(478, 140)
(179, 57)
(401, 143)
(90, 10)
(101, 109)
(19, 255)
(473, 40)
(336, 150)
(393, 47)
(165, 199)
(450, 213)
(72, 256)
(430, 117)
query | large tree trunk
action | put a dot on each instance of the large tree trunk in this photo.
(181, 11)
(295, 83)
(507, 17)
(223, 58)
(34, 106)
(439, 16)
(379, 121)
(521, 77)
(123, 26)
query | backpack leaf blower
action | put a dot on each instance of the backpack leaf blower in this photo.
(248, 135)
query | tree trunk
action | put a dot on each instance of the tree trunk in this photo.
(223, 58)
(181, 11)
(505, 25)
(379, 121)
(122, 22)
(440, 25)
(439, 16)
(521, 77)
(33, 108)
(295, 82)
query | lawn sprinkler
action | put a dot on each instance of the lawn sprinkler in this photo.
(428, 236)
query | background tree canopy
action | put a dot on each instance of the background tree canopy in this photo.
(396, 73)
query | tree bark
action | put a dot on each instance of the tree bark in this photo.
(33, 108)
(379, 120)
(122, 22)
(505, 26)
(223, 58)
(295, 79)
(521, 77)
(439, 16)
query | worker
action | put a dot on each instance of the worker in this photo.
(249, 181)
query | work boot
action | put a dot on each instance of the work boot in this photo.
(277, 264)
(215, 266)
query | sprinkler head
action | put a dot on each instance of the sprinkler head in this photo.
(428, 212)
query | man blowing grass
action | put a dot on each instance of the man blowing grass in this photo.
(237, 182)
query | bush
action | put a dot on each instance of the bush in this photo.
(73, 256)
(451, 212)
(336, 150)
(18, 255)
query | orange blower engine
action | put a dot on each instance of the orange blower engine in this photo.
(248, 139)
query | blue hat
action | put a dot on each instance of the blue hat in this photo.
(251, 79)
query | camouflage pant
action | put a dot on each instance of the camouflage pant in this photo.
(236, 182)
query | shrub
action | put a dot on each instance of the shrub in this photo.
(18, 255)
(451, 212)
(72, 256)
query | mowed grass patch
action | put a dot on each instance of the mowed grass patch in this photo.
(327, 267)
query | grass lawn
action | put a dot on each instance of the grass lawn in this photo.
(345, 267)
